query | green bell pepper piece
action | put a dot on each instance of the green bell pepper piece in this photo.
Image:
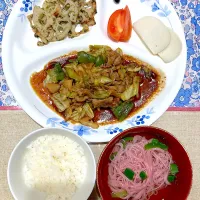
(84, 57)
(129, 173)
(99, 61)
(122, 110)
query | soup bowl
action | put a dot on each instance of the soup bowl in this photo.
(178, 190)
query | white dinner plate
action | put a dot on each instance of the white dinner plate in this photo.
(21, 57)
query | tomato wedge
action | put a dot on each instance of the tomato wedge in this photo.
(120, 25)
(115, 24)
(126, 34)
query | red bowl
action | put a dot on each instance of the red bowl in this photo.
(177, 191)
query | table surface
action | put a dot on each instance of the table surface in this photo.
(14, 125)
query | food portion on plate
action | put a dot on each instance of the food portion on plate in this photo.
(55, 165)
(158, 38)
(56, 20)
(119, 26)
(140, 167)
(98, 86)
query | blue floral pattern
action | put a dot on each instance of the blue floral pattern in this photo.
(158, 8)
(189, 14)
(110, 129)
(78, 129)
(140, 119)
(113, 129)
(27, 5)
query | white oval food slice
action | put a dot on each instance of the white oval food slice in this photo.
(154, 34)
(173, 50)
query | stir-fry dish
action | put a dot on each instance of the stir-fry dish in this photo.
(96, 87)
(58, 19)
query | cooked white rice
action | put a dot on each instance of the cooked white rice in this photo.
(56, 165)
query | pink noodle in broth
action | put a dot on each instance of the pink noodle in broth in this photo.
(154, 162)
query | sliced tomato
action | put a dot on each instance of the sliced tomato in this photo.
(120, 25)
(126, 34)
(115, 24)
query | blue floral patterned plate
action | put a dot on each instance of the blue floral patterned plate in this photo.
(21, 57)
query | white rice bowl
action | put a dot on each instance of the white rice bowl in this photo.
(51, 164)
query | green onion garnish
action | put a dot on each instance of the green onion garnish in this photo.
(174, 169)
(129, 173)
(155, 144)
(171, 178)
(143, 175)
(125, 140)
(112, 155)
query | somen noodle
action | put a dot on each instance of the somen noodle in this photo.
(139, 168)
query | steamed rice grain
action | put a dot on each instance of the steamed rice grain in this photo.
(55, 165)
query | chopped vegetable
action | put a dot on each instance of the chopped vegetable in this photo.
(53, 87)
(129, 173)
(102, 80)
(99, 61)
(119, 51)
(128, 93)
(174, 169)
(126, 140)
(99, 50)
(72, 95)
(171, 178)
(132, 90)
(122, 73)
(72, 74)
(155, 140)
(143, 175)
(122, 110)
(120, 194)
(100, 94)
(112, 155)
(60, 101)
(67, 83)
(155, 144)
(77, 114)
(59, 72)
(55, 74)
(84, 57)
(88, 110)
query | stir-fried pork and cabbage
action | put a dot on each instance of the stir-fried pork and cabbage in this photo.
(98, 86)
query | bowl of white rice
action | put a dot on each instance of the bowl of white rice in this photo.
(51, 164)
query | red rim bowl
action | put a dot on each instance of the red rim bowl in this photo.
(178, 190)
